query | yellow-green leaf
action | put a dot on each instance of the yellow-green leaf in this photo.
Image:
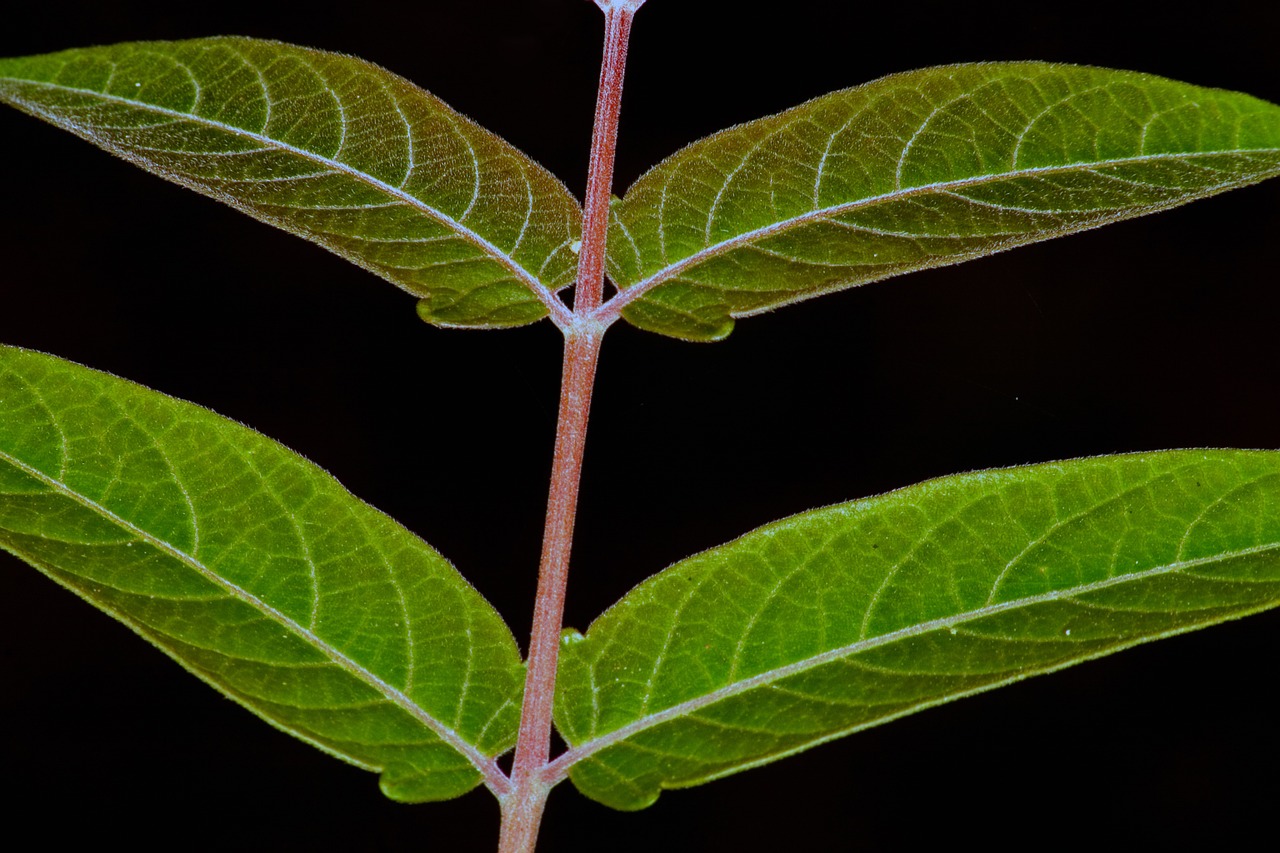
(846, 617)
(257, 572)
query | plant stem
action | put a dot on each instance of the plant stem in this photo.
(522, 807)
(589, 291)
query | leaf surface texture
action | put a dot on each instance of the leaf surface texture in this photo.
(331, 148)
(842, 618)
(918, 170)
(258, 572)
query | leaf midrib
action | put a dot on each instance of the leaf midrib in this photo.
(576, 754)
(481, 762)
(544, 295)
(640, 288)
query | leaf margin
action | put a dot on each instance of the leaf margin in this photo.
(629, 301)
(395, 782)
(552, 305)
(575, 762)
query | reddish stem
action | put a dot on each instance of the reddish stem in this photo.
(522, 806)
(589, 291)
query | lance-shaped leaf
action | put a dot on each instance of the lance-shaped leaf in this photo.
(331, 148)
(842, 618)
(918, 170)
(259, 573)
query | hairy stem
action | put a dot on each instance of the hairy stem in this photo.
(522, 806)
(575, 401)
(589, 291)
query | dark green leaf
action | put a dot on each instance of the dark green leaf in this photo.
(842, 618)
(918, 170)
(258, 573)
(333, 149)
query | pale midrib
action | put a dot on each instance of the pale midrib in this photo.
(613, 307)
(559, 768)
(558, 310)
(493, 778)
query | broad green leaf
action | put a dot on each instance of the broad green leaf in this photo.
(258, 573)
(918, 170)
(842, 618)
(331, 148)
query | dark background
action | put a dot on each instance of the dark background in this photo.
(1149, 334)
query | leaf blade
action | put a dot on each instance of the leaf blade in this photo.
(843, 618)
(333, 149)
(914, 171)
(258, 573)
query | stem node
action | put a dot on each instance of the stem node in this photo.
(522, 806)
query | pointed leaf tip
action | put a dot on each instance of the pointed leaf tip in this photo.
(333, 149)
(913, 171)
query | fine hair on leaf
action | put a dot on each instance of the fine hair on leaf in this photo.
(873, 494)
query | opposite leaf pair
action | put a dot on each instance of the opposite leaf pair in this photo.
(262, 576)
(912, 171)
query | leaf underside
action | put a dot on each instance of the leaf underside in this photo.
(258, 572)
(918, 170)
(842, 618)
(334, 149)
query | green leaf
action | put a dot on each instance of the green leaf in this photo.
(918, 170)
(842, 618)
(258, 573)
(331, 148)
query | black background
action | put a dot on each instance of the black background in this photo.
(1149, 334)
